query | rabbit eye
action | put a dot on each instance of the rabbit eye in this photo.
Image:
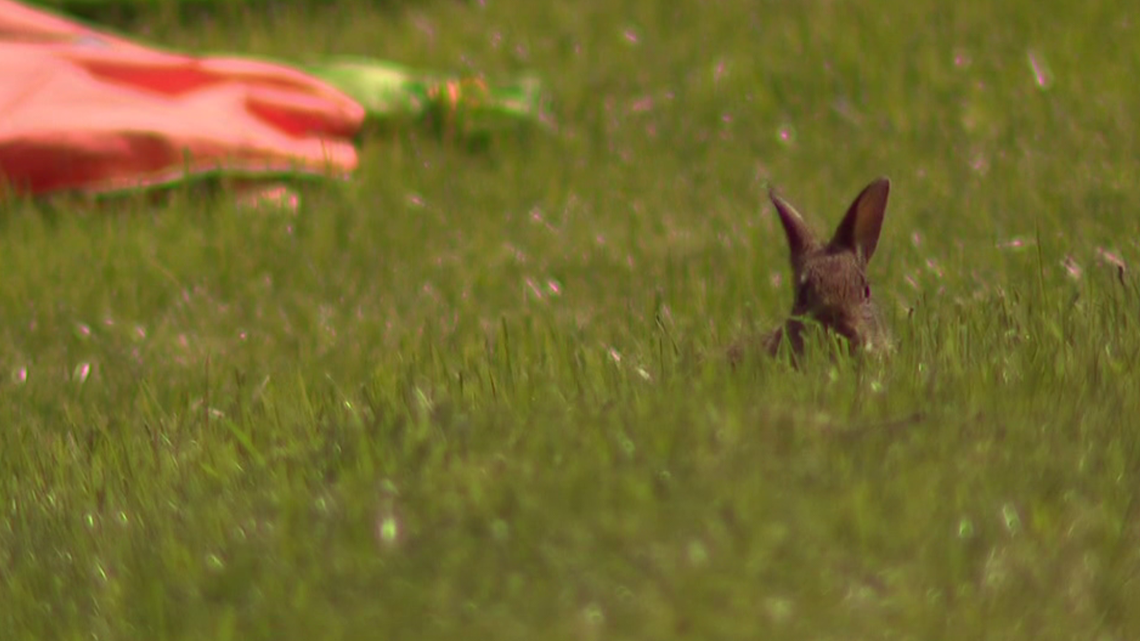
(801, 296)
(866, 291)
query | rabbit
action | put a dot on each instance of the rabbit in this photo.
(830, 279)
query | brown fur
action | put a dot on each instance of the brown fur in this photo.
(830, 279)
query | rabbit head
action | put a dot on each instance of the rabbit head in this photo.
(830, 278)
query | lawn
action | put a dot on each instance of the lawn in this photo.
(481, 393)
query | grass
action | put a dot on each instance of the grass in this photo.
(479, 394)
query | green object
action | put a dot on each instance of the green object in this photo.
(463, 105)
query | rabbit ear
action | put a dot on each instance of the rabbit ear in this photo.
(801, 240)
(859, 231)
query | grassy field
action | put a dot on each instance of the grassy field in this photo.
(481, 394)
